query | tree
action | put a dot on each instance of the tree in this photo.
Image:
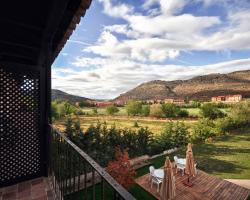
(182, 113)
(174, 135)
(211, 111)
(69, 108)
(145, 110)
(203, 130)
(170, 110)
(134, 107)
(94, 110)
(156, 110)
(83, 103)
(69, 128)
(195, 103)
(54, 110)
(111, 110)
(120, 169)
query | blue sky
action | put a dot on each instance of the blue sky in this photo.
(121, 44)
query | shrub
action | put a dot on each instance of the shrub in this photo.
(156, 110)
(222, 105)
(225, 125)
(69, 129)
(240, 112)
(111, 110)
(120, 169)
(94, 111)
(145, 110)
(54, 110)
(211, 111)
(239, 116)
(136, 125)
(183, 113)
(203, 130)
(134, 107)
(84, 103)
(195, 103)
(170, 110)
(174, 135)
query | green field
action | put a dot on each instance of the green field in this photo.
(154, 125)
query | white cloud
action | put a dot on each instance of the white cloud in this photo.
(167, 34)
(117, 76)
(119, 10)
(170, 7)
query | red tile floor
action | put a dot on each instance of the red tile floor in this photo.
(36, 189)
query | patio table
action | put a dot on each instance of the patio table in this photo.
(182, 161)
(159, 173)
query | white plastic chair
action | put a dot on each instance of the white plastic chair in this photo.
(179, 166)
(175, 160)
(195, 167)
(151, 172)
(157, 182)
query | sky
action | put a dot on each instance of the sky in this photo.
(120, 44)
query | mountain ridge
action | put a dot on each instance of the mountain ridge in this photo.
(63, 96)
(199, 87)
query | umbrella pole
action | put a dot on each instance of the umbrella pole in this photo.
(188, 182)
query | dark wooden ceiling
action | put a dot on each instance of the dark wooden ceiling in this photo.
(32, 30)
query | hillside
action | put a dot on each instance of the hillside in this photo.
(63, 96)
(200, 87)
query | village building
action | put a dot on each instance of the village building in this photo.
(103, 103)
(227, 98)
(175, 101)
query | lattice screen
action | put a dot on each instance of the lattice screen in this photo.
(20, 148)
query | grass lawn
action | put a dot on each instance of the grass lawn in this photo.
(228, 157)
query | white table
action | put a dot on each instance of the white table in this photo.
(159, 173)
(181, 161)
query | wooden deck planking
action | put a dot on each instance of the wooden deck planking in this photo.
(206, 187)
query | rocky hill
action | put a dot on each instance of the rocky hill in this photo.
(63, 96)
(200, 87)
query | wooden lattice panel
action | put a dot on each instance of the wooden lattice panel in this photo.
(20, 146)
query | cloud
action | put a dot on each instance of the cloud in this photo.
(163, 36)
(117, 76)
(119, 10)
(172, 6)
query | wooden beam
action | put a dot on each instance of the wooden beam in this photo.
(16, 23)
(15, 44)
(55, 16)
(6, 54)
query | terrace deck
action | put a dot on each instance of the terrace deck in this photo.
(36, 189)
(206, 187)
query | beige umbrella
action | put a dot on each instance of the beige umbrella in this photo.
(168, 183)
(189, 168)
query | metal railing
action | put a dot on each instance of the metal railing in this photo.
(75, 175)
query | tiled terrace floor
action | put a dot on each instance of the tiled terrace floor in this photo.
(36, 189)
(205, 187)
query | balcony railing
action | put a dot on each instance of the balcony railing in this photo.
(74, 175)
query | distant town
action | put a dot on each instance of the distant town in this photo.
(177, 101)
